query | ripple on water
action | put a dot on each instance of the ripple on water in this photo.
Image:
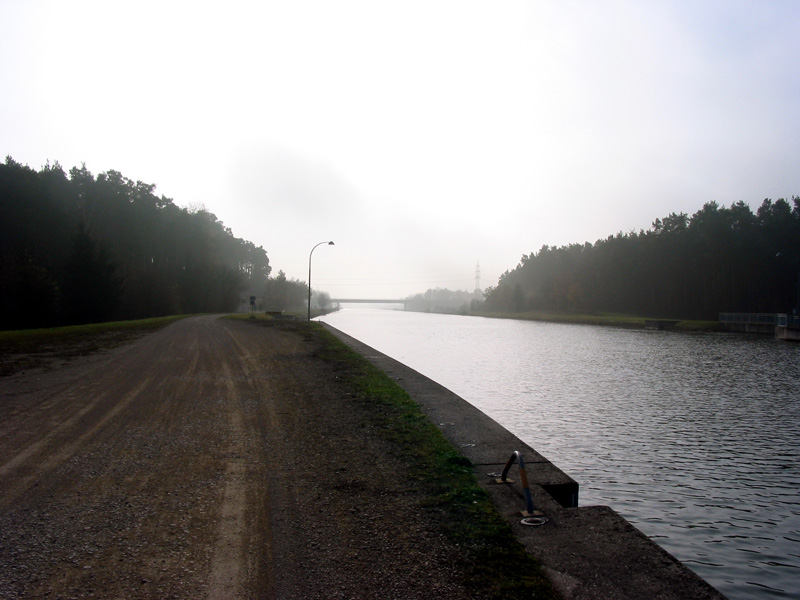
(693, 438)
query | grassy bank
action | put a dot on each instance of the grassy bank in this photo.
(29, 348)
(611, 320)
(498, 564)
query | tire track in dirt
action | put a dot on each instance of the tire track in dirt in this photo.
(126, 482)
(41, 450)
(212, 459)
(227, 573)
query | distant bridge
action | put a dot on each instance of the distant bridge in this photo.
(367, 301)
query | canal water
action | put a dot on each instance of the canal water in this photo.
(694, 438)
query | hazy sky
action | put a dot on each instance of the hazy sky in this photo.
(422, 137)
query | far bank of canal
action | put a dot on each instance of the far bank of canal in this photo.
(692, 437)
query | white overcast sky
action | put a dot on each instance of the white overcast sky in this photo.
(422, 137)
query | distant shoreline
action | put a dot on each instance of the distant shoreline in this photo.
(612, 320)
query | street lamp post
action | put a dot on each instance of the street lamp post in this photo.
(309, 275)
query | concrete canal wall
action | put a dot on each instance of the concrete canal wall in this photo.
(590, 552)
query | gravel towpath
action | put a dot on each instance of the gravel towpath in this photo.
(211, 459)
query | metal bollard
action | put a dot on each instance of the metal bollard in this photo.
(523, 477)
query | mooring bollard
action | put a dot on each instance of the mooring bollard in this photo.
(523, 478)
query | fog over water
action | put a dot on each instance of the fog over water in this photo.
(692, 437)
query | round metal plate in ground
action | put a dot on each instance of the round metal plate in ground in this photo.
(534, 521)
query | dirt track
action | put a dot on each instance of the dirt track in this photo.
(211, 459)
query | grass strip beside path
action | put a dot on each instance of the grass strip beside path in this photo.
(31, 348)
(498, 564)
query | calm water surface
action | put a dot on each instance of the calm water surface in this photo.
(694, 438)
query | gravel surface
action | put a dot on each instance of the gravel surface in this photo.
(209, 459)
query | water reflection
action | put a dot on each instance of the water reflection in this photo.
(692, 437)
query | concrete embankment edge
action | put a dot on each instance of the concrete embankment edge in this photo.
(589, 552)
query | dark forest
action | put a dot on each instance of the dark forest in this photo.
(75, 248)
(718, 260)
(78, 249)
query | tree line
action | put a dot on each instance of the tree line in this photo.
(720, 259)
(75, 248)
(445, 301)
